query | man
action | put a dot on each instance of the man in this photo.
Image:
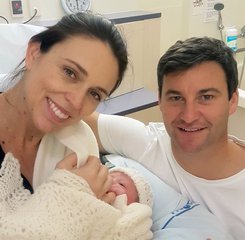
(191, 151)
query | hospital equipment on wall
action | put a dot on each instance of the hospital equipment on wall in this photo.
(218, 7)
(16, 7)
(231, 36)
(231, 29)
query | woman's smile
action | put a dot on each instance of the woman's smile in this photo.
(57, 111)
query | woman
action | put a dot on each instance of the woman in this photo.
(68, 70)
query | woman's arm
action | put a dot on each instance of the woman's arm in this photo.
(92, 121)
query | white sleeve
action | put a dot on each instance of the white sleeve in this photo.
(123, 135)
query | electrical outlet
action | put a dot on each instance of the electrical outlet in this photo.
(16, 8)
(35, 5)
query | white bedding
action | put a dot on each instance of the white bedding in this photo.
(2, 82)
(13, 42)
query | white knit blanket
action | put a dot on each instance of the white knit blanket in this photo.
(77, 138)
(63, 206)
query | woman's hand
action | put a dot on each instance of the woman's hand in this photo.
(93, 172)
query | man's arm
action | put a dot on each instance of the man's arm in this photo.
(92, 121)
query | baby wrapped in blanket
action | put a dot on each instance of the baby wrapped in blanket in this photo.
(63, 205)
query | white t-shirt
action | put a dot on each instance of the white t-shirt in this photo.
(150, 145)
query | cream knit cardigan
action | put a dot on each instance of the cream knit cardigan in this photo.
(63, 206)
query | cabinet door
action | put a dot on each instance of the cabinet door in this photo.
(143, 42)
(151, 52)
(133, 35)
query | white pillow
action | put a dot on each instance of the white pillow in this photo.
(2, 82)
(14, 38)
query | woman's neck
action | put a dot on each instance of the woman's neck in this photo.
(17, 122)
(17, 133)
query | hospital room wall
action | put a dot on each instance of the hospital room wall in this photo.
(178, 20)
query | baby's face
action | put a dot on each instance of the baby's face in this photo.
(123, 184)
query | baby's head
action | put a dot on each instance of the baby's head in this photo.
(130, 182)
